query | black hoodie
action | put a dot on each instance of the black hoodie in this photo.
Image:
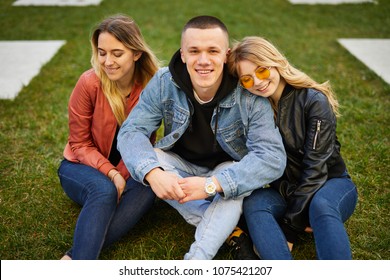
(198, 144)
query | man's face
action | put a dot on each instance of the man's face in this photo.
(205, 51)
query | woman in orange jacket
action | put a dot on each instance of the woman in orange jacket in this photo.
(92, 173)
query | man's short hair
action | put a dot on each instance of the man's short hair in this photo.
(205, 22)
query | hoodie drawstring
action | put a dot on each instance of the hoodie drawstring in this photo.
(215, 128)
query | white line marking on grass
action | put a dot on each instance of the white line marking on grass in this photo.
(330, 2)
(57, 2)
(374, 53)
(22, 61)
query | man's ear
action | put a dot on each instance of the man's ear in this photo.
(227, 54)
(182, 56)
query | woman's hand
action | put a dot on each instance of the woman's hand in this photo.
(290, 245)
(119, 182)
(308, 230)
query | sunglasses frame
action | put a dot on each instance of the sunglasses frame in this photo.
(259, 76)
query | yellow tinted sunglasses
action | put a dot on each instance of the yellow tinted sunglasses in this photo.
(261, 73)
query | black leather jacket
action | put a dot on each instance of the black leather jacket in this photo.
(308, 128)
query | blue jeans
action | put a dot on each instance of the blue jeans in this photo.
(101, 221)
(330, 207)
(214, 220)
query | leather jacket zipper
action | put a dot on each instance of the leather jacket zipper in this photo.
(316, 135)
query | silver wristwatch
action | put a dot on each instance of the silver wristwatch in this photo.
(209, 187)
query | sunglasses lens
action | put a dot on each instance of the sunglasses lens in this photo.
(262, 73)
(246, 81)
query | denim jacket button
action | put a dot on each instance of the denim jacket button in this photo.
(176, 135)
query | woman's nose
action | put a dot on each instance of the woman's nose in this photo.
(109, 60)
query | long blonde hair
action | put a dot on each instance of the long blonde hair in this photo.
(261, 52)
(125, 30)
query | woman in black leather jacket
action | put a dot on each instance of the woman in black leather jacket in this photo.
(315, 192)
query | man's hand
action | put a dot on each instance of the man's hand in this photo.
(164, 184)
(193, 187)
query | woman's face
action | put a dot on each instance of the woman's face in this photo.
(270, 86)
(117, 61)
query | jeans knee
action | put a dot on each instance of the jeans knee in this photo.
(321, 206)
(251, 204)
(263, 200)
(103, 190)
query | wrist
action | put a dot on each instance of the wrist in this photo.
(112, 174)
(113, 177)
(216, 182)
(152, 173)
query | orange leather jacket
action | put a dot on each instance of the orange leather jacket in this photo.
(92, 124)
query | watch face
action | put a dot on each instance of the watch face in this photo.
(210, 188)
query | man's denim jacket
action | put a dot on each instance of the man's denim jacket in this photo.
(245, 130)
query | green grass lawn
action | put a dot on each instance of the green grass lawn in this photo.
(36, 217)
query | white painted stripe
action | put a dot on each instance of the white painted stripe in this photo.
(22, 61)
(330, 2)
(57, 2)
(374, 53)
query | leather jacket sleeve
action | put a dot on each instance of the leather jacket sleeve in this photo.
(311, 172)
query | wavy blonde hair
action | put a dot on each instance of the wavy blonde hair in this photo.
(125, 30)
(261, 52)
